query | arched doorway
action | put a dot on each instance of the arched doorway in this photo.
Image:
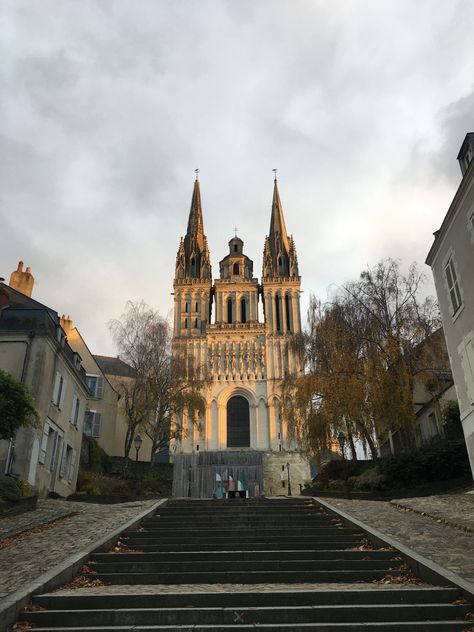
(238, 422)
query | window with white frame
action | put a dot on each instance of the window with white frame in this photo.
(92, 423)
(466, 351)
(453, 285)
(75, 410)
(59, 390)
(95, 384)
(49, 444)
(68, 463)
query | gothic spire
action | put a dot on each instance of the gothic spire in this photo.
(195, 223)
(277, 221)
(279, 257)
(193, 259)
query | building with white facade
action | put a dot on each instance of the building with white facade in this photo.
(451, 258)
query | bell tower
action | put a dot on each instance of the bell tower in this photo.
(280, 280)
(193, 278)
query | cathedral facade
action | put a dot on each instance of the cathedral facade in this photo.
(239, 333)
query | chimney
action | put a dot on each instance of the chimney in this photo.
(22, 281)
(67, 324)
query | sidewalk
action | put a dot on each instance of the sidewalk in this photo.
(60, 529)
(436, 527)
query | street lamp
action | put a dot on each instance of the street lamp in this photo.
(341, 437)
(289, 480)
(138, 444)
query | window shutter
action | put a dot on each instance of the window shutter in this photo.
(469, 369)
(73, 465)
(99, 390)
(63, 394)
(96, 425)
(63, 460)
(73, 409)
(44, 444)
(57, 382)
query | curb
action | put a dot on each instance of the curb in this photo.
(425, 568)
(13, 603)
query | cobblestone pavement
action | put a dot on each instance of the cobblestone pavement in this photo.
(455, 510)
(46, 510)
(154, 589)
(29, 558)
(450, 548)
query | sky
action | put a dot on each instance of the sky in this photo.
(108, 106)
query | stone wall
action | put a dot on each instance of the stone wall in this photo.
(275, 472)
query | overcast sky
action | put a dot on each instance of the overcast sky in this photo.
(107, 107)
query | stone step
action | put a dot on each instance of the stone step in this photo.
(236, 541)
(246, 577)
(384, 626)
(233, 531)
(325, 543)
(260, 520)
(275, 554)
(210, 566)
(256, 616)
(374, 595)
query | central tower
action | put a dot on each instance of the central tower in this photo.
(240, 445)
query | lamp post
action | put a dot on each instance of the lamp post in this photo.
(190, 471)
(341, 437)
(138, 444)
(289, 479)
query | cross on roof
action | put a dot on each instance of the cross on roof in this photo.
(236, 230)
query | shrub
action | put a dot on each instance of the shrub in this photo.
(97, 484)
(25, 488)
(370, 480)
(336, 485)
(152, 482)
(9, 489)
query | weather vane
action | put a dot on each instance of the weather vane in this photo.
(236, 230)
(196, 171)
(275, 171)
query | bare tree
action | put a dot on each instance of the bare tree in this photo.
(161, 385)
(362, 352)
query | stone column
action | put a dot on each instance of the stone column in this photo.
(238, 315)
(253, 426)
(283, 313)
(222, 424)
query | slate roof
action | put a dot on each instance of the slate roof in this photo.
(114, 366)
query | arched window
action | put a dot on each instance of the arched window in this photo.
(280, 266)
(288, 314)
(185, 323)
(229, 310)
(186, 307)
(277, 312)
(197, 306)
(195, 323)
(235, 269)
(193, 266)
(238, 422)
(243, 310)
(236, 248)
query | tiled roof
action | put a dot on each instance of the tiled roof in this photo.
(114, 366)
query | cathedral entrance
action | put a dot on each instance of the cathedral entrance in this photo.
(238, 422)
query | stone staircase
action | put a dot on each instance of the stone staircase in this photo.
(217, 551)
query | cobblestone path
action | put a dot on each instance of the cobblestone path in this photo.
(438, 541)
(29, 558)
(456, 510)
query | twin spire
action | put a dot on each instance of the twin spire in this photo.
(193, 259)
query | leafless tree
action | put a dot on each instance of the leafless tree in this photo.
(161, 384)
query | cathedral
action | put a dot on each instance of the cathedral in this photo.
(239, 333)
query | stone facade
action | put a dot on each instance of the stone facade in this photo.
(451, 258)
(35, 351)
(217, 328)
